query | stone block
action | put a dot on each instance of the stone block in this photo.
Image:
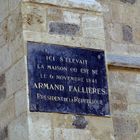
(18, 129)
(63, 28)
(118, 48)
(136, 33)
(5, 58)
(127, 77)
(114, 83)
(117, 12)
(118, 102)
(100, 127)
(125, 126)
(64, 121)
(134, 108)
(7, 111)
(4, 133)
(91, 5)
(21, 102)
(4, 9)
(114, 31)
(40, 126)
(34, 17)
(14, 24)
(134, 49)
(13, 4)
(72, 134)
(127, 33)
(54, 14)
(65, 40)
(93, 27)
(133, 95)
(16, 48)
(15, 77)
(71, 17)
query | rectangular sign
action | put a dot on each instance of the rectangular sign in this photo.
(67, 80)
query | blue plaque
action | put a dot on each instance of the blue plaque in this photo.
(67, 79)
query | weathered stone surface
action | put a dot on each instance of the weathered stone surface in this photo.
(2, 94)
(114, 31)
(137, 36)
(7, 111)
(93, 27)
(80, 122)
(65, 40)
(2, 79)
(13, 4)
(21, 102)
(118, 48)
(71, 17)
(92, 5)
(4, 11)
(124, 85)
(40, 126)
(54, 14)
(129, 1)
(125, 125)
(127, 33)
(18, 129)
(100, 127)
(134, 49)
(64, 121)
(34, 17)
(3, 32)
(72, 134)
(16, 48)
(14, 24)
(3, 133)
(5, 58)
(63, 28)
(118, 102)
(15, 77)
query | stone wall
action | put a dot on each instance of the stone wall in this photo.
(12, 69)
(122, 43)
(111, 25)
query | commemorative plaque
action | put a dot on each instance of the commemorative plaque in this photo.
(67, 79)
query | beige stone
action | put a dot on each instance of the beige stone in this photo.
(18, 129)
(65, 40)
(5, 58)
(14, 24)
(93, 27)
(21, 105)
(13, 4)
(15, 77)
(82, 4)
(7, 111)
(71, 134)
(54, 14)
(118, 49)
(40, 126)
(16, 48)
(115, 32)
(34, 17)
(4, 9)
(3, 32)
(70, 17)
